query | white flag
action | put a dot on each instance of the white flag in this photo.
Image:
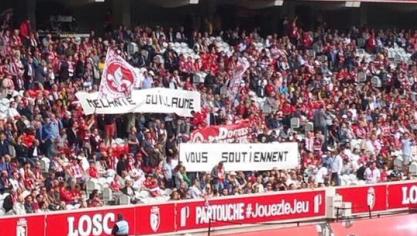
(118, 78)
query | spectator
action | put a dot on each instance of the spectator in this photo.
(4, 145)
(372, 173)
(94, 200)
(406, 147)
(121, 228)
(218, 175)
(336, 165)
(129, 191)
(195, 191)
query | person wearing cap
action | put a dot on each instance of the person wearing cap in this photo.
(121, 227)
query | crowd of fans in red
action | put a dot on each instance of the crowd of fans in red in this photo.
(362, 112)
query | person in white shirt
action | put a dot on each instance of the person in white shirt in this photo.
(147, 81)
(195, 191)
(322, 172)
(138, 178)
(336, 166)
(372, 174)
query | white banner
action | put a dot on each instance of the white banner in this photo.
(154, 100)
(239, 157)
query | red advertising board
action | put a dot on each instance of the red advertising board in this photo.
(403, 195)
(155, 218)
(92, 222)
(199, 214)
(23, 225)
(250, 209)
(365, 198)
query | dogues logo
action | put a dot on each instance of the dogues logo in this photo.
(119, 78)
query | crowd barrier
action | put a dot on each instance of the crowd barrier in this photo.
(199, 215)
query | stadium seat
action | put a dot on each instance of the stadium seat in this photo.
(398, 161)
(295, 123)
(107, 195)
(92, 184)
(309, 126)
(124, 199)
(413, 169)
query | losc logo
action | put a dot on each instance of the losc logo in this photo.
(155, 218)
(185, 213)
(97, 225)
(371, 198)
(317, 203)
(409, 195)
(22, 227)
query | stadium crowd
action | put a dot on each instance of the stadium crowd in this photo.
(353, 104)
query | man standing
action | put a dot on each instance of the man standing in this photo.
(336, 165)
(406, 148)
(320, 121)
(121, 228)
(218, 175)
(50, 131)
(4, 145)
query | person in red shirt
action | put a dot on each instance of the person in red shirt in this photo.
(65, 194)
(28, 139)
(152, 185)
(25, 31)
(199, 119)
(371, 43)
(92, 170)
(307, 40)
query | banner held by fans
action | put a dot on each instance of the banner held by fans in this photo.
(239, 157)
(154, 100)
(240, 131)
